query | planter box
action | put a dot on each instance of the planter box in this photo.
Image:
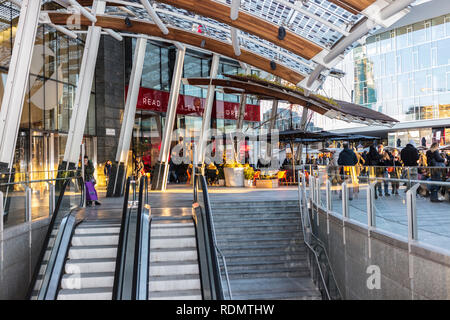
(234, 177)
(248, 183)
(273, 183)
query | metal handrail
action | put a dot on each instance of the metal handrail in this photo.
(314, 251)
(213, 230)
(50, 229)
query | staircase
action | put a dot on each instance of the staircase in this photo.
(264, 251)
(173, 270)
(90, 267)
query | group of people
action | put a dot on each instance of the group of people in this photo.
(408, 164)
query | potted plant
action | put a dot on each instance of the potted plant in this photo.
(234, 174)
(267, 181)
(249, 173)
(221, 176)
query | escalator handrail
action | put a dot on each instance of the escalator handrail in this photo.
(128, 233)
(120, 247)
(50, 230)
(209, 233)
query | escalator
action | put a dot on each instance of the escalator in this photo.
(139, 257)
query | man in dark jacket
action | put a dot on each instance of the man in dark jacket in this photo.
(410, 157)
(347, 157)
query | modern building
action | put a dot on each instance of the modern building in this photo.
(402, 71)
(143, 84)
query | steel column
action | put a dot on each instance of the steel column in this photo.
(130, 105)
(159, 180)
(83, 91)
(207, 111)
(17, 80)
(126, 130)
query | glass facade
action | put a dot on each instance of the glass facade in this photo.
(49, 96)
(157, 74)
(405, 72)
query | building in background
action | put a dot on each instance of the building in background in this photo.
(404, 72)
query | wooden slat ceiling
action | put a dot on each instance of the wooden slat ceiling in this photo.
(190, 38)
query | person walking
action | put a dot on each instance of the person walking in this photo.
(410, 157)
(381, 171)
(395, 171)
(348, 159)
(89, 180)
(107, 170)
(435, 160)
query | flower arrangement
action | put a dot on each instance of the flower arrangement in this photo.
(249, 173)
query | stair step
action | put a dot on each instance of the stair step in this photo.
(95, 239)
(77, 266)
(168, 268)
(88, 280)
(168, 230)
(258, 273)
(257, 219)
(97, 230)
(281, 241)
(258, 234)
(247, 204)
(244, 265)
(92, 252)
(174, 283)
(249, 227)
(173, 254)
(236, 248)
(266, 256)
(172, 242)
(302, 295)
(176, 295)
(85, 294)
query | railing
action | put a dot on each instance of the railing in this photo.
(322, 273)
(355, 194)
(211, 277)
(132, 262)
(411, 218)
(25, 200)
(62, 224)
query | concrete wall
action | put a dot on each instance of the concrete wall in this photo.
(407, 270)
(19, 250)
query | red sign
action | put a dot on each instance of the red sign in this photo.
(155, 100)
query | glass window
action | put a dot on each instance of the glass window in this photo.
(401, 38)
(424, 56)
(63, 58)
(165, 76)
(151, 75)
(37, 102)
(75, 57)
(443, 52)
(192, 69)
(419, 35)
(439, 80)
(406, 60)
(51, 104)
(50, 54)
(437, 28)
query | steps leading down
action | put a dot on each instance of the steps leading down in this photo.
(264, 251)
(173, 270)
(89, 269)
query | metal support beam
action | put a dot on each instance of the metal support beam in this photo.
(159, 180)
(83, 91)
(207, 111)
(17, 80)
(126, 130)
(241, 113)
